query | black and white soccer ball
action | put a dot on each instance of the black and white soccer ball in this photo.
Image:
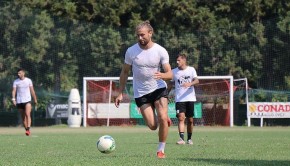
(106, 144)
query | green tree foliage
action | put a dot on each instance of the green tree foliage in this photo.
(99, 11)
(60, 42)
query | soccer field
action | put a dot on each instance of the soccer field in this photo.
(63, 146)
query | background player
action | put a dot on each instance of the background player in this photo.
(184, 77)
(21, 97)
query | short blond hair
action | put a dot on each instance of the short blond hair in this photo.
(144, 24)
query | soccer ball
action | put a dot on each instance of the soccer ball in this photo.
(106, 144)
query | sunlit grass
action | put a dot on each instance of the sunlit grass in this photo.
(137, 146)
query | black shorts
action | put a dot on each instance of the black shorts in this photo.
(185, 107)
(151, 97)
(22, 105)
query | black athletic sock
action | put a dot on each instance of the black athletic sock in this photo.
(189, 136)
(28, 128)
(181, 134)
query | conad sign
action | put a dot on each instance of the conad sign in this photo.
(269, 109)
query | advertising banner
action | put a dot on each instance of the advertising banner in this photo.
(269, 110)
(56, 110)
(105, 110)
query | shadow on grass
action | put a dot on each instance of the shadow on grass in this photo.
(241, 162)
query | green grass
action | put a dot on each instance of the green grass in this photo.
(137, 146)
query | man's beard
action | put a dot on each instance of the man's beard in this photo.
(143, 42)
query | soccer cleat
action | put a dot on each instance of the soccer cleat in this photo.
(160, 155)
(189, 142)
(27, 132)
(180, 141)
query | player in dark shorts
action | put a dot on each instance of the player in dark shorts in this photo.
(21, 98)
(145, 58)
(184, 78)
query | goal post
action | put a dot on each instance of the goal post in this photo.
(109, 100)
(214, 92)
(227, 92)
(241, 84)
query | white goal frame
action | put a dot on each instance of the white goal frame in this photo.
(85, 79)
(246, 98)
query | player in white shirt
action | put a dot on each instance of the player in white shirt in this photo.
(150, 89)
(185, 78)
(21, 97)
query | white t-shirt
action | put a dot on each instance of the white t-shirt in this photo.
(183, 94)
(23, 94)
(144, 64)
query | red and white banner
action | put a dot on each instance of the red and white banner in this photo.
(269, 110)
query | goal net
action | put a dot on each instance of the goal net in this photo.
(241, 101)
(214, 104)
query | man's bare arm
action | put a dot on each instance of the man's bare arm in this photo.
(167, 75)
(123, 80)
